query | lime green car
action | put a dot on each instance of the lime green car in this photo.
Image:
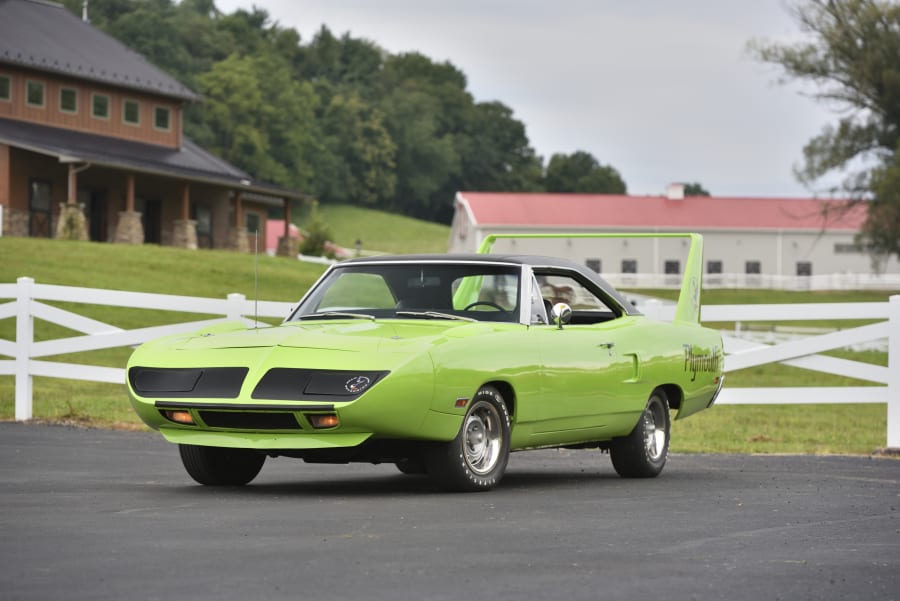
(441, 364)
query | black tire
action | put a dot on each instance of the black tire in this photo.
(476, 459)
(216, 466)
(642, 454)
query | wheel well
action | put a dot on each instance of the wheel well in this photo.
(673, 394)
(509, 395)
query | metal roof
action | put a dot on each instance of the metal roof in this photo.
(577, 212)
(190, 162)
(45, 36)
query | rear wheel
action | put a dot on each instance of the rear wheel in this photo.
(642, 454)
(216, 466)
(476, 459)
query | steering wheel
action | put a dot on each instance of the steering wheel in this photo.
(486, 304)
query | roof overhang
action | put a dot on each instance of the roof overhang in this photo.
(189, 163)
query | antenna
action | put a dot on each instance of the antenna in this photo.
(256, 280)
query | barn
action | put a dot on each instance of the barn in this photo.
(770, 242)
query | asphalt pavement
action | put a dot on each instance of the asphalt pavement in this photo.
(94, 514)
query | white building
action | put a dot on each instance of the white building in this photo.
(768, 242)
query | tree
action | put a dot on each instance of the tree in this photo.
(853, 60)
(358, 165)
(581, 172)
(261, 119)
(695, 189)
(497, 156)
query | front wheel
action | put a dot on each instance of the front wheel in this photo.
(476, 459)
(642, 454)
(216, 466)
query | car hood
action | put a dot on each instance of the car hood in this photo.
(353, 336)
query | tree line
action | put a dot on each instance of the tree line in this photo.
(338, 116)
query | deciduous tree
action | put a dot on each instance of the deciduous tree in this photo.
(852, 59)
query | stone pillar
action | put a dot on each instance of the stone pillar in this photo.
(288, 247)
(15, 222)
(238, 239)
(130, 229)
(184, 233)
(71, 224)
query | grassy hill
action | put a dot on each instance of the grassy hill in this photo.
(382, 232)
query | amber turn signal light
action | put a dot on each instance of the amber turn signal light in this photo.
(179, 417)
(323, 420)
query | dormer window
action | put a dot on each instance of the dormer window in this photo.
(5, 88)
(100, 106)
(131, 112)
(34, 93)
(162, 118)
(68, 100)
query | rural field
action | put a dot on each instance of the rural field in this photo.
(809, 429)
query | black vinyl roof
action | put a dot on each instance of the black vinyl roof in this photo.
(45, 36)
(190, 162)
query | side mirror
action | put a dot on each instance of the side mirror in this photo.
(560, 314)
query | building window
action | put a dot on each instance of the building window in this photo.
(162, 118)
(34, 93)
(131, 112)
(714, 267)
(672, 267)
(68, 100)
(844, 248)
(252, 222)
(39, 203)
(5, 88)
(629, 265)
(100, 106)
(753, 267)
(804, 268)
(593, 265)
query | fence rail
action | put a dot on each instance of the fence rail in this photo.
(767, 281)
(27, 295)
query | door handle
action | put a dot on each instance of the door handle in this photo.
(608, 346)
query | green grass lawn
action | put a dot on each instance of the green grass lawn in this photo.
(383, 232)
(745, 429)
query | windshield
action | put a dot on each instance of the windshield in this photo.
(466, 291)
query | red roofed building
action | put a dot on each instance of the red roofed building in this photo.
(748, 236)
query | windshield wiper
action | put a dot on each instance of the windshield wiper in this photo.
(337, 315)
(433, 315)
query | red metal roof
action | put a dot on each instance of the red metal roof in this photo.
(622, 211)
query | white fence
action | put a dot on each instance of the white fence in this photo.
(766, 281)
(741, 353)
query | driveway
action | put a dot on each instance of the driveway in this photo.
(93, 514)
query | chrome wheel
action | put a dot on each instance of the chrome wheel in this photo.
(483, 438)
(642, 454)
(654, 432)
(476, 458)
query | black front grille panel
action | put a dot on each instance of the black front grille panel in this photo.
(205, 382)
(241, 420)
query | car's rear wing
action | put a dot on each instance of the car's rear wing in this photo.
(688, 308)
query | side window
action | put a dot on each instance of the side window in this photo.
(587, 307)
(357, 291)
(491, 291)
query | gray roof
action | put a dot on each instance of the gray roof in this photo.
(45, 36)
(190, 162)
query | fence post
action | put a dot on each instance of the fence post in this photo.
(24, 340)
(235, 304)
(893, 392)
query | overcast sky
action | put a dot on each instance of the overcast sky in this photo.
(664, 91)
